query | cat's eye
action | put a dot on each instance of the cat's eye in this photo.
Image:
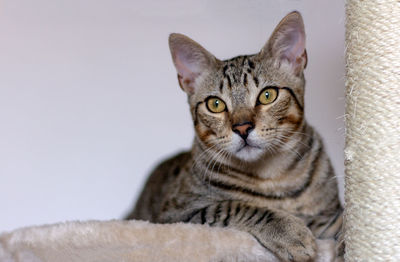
(215, 105)
(267, 96)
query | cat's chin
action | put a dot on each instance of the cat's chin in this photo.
(249, 153)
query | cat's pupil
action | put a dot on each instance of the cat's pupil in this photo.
(216, 103)
(267, 95)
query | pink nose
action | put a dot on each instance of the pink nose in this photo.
(243, 129)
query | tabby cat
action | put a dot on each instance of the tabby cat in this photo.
(255, 165)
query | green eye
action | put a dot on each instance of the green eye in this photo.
(267, 96)
(215, 105)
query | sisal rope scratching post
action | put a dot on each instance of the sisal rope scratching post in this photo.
(372, 153)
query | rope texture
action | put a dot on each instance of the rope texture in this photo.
(372, 153)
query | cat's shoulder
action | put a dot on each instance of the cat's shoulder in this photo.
(173, 164)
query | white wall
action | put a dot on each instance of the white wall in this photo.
(89, 100)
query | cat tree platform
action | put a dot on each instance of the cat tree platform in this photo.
(135, 241)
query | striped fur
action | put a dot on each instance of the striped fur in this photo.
(282, 190)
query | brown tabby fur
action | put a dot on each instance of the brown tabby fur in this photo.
(285, 194)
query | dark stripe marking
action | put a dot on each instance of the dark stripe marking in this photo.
(310, 176)
(251, 64)
(228, 215)
(255, 79)
(191, 215)
(203, 215)
(237, 209)
(223, 169)
(243, 60)
(195, 113)
(244, 212)
(245, 79)
(291, 194)
(216, 214)
(332, 222)
(252, 215)
(311, 223)
(294, 95)
(304, 150)
(243, 190)
(224, 70)
(267, 214)
(229, 82)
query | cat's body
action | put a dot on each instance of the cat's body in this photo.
(255, 164)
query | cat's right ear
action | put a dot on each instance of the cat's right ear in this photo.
(191, 61)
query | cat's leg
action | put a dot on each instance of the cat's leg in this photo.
(280, 232)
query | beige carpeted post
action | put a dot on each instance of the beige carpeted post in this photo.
(372, 184)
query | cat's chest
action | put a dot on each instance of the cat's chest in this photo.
(277, 189)
(273, 196)
(271, 186)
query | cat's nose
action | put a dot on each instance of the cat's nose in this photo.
(243, 129)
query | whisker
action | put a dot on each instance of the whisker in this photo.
(280, 136)
(284, 146)
(200, 157)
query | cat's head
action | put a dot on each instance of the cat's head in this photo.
(247, 106)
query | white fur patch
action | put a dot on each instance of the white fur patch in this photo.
(250, 152)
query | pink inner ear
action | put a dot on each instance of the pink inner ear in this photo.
(190, 59)
(184, 69)
(292, 48)
(295, 46)
(187, 72)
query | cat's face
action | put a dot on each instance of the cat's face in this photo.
(248, 106)
(246, 110)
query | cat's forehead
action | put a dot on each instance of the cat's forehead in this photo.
(237, 66)
(238, 78)
(249, 71)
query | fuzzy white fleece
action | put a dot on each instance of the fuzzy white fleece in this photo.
(134, 241)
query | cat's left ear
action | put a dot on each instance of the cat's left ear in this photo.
(287, 43)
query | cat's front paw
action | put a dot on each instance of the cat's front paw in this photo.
(291, 240)
(296, 244)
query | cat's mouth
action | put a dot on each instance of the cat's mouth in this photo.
(249, 152)
(247, 146)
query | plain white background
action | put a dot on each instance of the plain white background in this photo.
(89, 100)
